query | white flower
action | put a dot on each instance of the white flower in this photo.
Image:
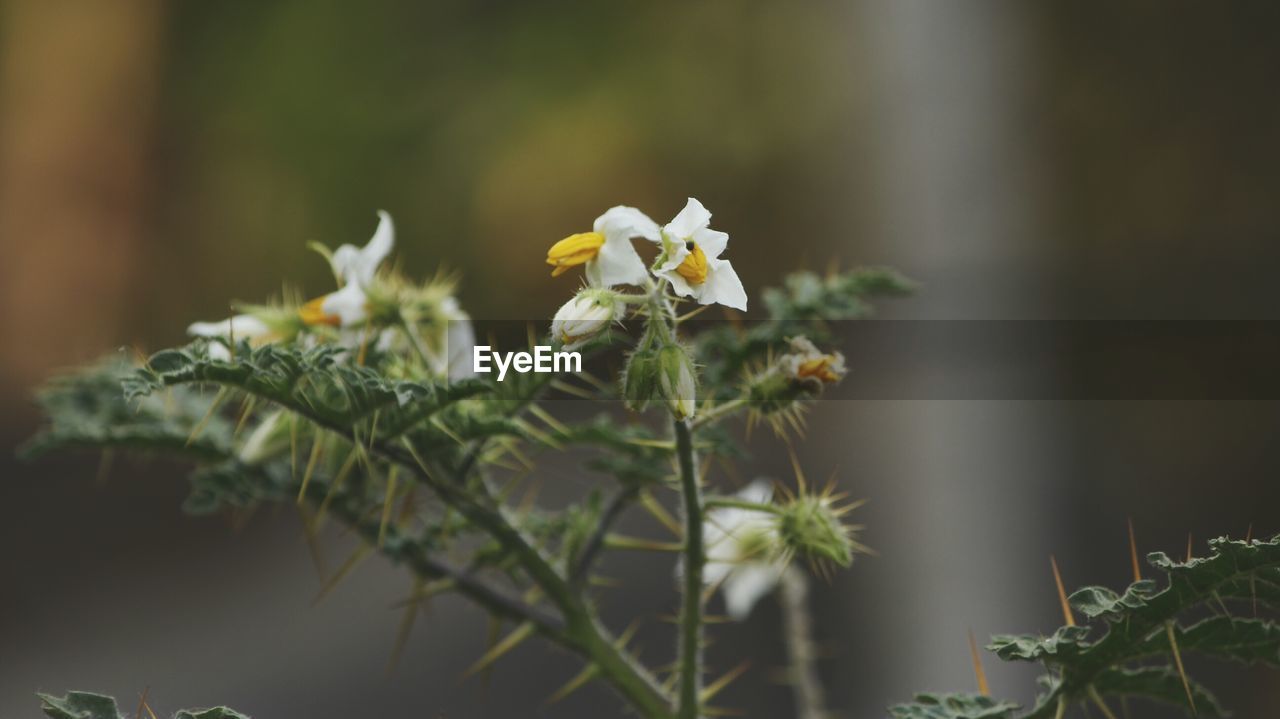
(606, 251)
(234, 329)
(355, 269)
(584, 316)
(741, 549)
(360, 264)
(693, 264)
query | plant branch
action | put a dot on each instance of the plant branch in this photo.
(689, 657)
(612, 511)
(803, 671)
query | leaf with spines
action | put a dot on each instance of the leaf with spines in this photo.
(1136, 625)
(1159, 684)
(87, 705)
(953, 706)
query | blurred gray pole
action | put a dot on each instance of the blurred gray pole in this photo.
(953, 170)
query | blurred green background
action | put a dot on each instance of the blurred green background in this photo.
(1082, 160)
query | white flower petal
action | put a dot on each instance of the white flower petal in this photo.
(241, 326)
(678, 283)
(692, 218)
(616, 264)
(360, 265)
(628, 221)
(759, 491)
(723, 286)
(347, 304)
(711, 242)
(460, 340)
(747, 584)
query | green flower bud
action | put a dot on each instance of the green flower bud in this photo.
(640, 379)
(678, 381)
(810, 526)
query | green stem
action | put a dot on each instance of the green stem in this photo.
(719, 412)
(690, 646)
(735, 503)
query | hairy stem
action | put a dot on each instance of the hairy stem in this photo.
(720, 411)
(690, 647)
(803, 670)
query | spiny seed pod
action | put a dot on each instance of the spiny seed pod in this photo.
(771, 391)
(640, 382)
(677, 380)
(811, 526)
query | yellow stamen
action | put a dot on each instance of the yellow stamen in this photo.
(312, 313)
(694, 267)
(574, 250)
(819, 367)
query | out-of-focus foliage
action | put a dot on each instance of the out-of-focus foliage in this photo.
(1134, 641)
(86, 705)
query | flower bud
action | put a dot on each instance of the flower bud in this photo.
(677, 379)
(810, 526)
(585, 316)
(640, 379)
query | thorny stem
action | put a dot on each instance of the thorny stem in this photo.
(690, 641)
(803, 671)
(582, 631)
(719, 412)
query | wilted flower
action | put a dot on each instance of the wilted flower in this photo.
(355, 268)
(678, 382)
(606, 251)
(692, 263)
(585, 316)
(806, 362)
(743, 550)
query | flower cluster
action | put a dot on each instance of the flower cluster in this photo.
(370, 311)
(688, 264)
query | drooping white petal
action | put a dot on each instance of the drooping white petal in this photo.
(628, 221)
(722, 286)
(359, 265)
(348, 304)
(617, 262)
(747, 584)
(239, 326)
(692, 218)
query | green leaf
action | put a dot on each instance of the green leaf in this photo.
(214, 713)
(953, 706)
(79, 705)
(86, 705)
(1161, 684)
(1134, 626)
